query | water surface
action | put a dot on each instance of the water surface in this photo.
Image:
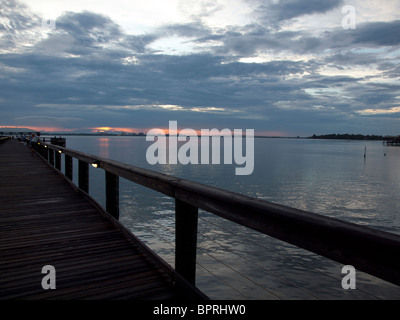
(329, 177)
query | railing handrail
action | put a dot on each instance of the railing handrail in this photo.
(4, 138)
(370, 250)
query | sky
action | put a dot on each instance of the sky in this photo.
(282, 68)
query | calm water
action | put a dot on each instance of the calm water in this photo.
(329, 177)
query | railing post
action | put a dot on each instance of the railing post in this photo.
(186, 217)
(46, 153)
(83, 172)
(57, 155)
(51, 156)
(112, 194)
(39, 149)
(68, 167)
(43, 151)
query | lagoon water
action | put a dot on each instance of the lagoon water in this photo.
(329, 177)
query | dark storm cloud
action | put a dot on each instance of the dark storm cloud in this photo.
(83, 33)
(89, 28)
(272, 12)
(368, 35)
(378, 33)
(205, 66)
(138, 43)
(251, 39)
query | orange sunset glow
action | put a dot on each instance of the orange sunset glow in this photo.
(130, 130)
(136, 130)
(39, 128)
(112, 129)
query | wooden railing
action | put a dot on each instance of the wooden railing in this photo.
(372, 251)
(4, 139)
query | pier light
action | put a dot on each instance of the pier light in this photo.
(95, 164)
(59, 151)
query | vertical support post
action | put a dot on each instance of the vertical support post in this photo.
(186, 217)
(39, 148)
(51, 156)
(46, 153)
(43, 151)
(112, 194)
(83, 179)
(68, 167)
(57, 155)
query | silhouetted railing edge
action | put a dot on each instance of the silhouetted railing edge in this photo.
(369, 250)
(4, 139)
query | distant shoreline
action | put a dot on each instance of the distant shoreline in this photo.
(140, 134)
(349, 137)
(325, 137)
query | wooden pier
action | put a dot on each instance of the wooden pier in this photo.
(392, 141)
(45, 221)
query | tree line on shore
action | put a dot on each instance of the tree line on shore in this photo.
(347, 136)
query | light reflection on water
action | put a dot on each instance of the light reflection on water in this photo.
(327, 177)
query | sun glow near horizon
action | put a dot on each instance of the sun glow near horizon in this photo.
(132, 130)
(39, 128)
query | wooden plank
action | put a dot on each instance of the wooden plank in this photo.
(43, 220)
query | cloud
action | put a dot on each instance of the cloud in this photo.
(90, 72)
(378, 33)
(255, 39)
(19, 27)
(199, 9)
(274, 12)
(89, 29)
(46, 119)
(190, 29)
(394, 110)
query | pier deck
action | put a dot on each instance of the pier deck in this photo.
(45, 221)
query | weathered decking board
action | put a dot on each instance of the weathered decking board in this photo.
(44, 221)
